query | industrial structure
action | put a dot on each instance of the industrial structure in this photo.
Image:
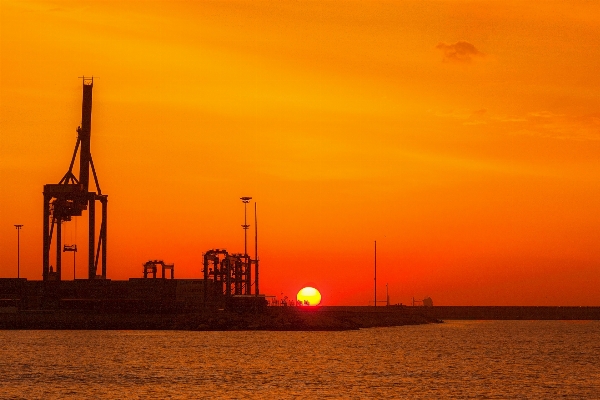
(227, 277)
(70, 197)
(150, 267)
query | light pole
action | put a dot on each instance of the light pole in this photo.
(375, 278)
(18, 250)
(245, 200)
(72, 248)
(387, 295)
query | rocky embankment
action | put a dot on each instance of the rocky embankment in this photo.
(272, 319)
(307, 319)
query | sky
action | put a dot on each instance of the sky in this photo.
(462, 136)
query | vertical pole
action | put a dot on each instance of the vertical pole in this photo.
(18, 250)
(85, 134)
(237, 271)
(91, 236)
(74, 252)
(205, 294)
(104, 235)
(58, 249)
(375, 291)
(247, 262)
(245, 200)
(255, 252)
(227, 277)
(46, 239)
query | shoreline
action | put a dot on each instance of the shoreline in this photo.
(271, 319)
(325, 318)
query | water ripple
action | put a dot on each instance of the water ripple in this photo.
(456, 360)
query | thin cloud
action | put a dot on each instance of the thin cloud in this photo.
(461, 51)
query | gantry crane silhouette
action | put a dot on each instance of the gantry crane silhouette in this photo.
(70, 197)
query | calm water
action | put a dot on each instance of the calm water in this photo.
(458, 359)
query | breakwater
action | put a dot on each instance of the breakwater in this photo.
(327, 318)
(512, 312)
(271, 318)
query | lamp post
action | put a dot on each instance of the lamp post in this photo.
(245, 200)
(72, 248)
(375, 278)
(387, 295)
(18, 250)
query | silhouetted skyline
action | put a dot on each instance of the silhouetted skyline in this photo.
(462, 136)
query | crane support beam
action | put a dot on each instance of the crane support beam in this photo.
(85, 134)
(91, 242)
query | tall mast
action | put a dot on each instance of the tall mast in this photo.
(85, 133)
(256, 292)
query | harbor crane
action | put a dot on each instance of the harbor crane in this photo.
(70, 197)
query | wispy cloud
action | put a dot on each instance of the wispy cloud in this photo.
(468, 117)
(462, 52)
(541, 123)
(566, 127)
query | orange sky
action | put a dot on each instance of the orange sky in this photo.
(463, 136)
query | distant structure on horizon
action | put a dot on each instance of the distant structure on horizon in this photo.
(426, 302)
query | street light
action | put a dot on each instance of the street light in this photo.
(18, 250)
(245, 200)
(375, 277)
(73, 248)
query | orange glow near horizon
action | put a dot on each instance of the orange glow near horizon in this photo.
(463, 136)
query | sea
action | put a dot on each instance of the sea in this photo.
(452, 360)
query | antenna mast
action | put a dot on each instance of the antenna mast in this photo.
(256, 292)
(375, 299)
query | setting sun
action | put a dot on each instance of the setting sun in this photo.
(309, 296)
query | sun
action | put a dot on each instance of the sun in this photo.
(309, 296)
